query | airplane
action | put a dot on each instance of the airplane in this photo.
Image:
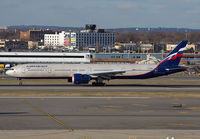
(85, 72)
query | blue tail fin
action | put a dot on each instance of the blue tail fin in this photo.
(174, 58)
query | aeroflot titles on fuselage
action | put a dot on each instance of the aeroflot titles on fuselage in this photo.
(30, 66)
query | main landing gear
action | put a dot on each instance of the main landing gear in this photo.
(20, 81)
(99, 82)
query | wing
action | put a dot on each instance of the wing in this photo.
(108, 75)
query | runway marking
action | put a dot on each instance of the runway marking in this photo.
(183, 112)
(193, 108)
(182, 124)
(110, 109)
(176, 103)
(147, 111)
(176, 99)
(45, 134)
(112, 106)
(38, 109)
(142, 105)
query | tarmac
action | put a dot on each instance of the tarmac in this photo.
(58, 89)
(100, 134)
(99, 113)
(101, 117)
(169, 84)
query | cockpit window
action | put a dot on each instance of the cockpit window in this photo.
(11, 69)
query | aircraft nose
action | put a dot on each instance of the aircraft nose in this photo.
(9, 72)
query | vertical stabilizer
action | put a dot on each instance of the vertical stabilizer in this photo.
(174, 58)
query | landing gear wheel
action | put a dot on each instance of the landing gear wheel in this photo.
(20, 81)
(98, 84)
(93, 83)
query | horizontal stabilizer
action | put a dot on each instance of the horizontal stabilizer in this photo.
(175, 69)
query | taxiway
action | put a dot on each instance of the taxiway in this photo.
(99, 113)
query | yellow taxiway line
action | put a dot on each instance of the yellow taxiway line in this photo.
(38, 109)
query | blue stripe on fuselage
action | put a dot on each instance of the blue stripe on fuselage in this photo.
(158, 71)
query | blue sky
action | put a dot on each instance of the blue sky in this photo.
(104, 13)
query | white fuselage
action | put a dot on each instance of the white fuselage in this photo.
(68, 70)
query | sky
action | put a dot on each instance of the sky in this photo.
(104, 13)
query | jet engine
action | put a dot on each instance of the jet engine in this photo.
(81, 79)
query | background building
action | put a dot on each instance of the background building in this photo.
(90, 37)
(43, 57)
(34, 35)
(57, 39)
(170, 47)
(126, 47)
(2, 29)
(32, 45)
(146, 47)
(2, 44)
(16, 45)
(51, 39)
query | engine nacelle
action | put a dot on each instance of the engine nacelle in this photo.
(80, 79)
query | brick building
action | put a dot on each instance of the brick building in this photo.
(34, 35)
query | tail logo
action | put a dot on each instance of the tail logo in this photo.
(173, 59)
(176, 55)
